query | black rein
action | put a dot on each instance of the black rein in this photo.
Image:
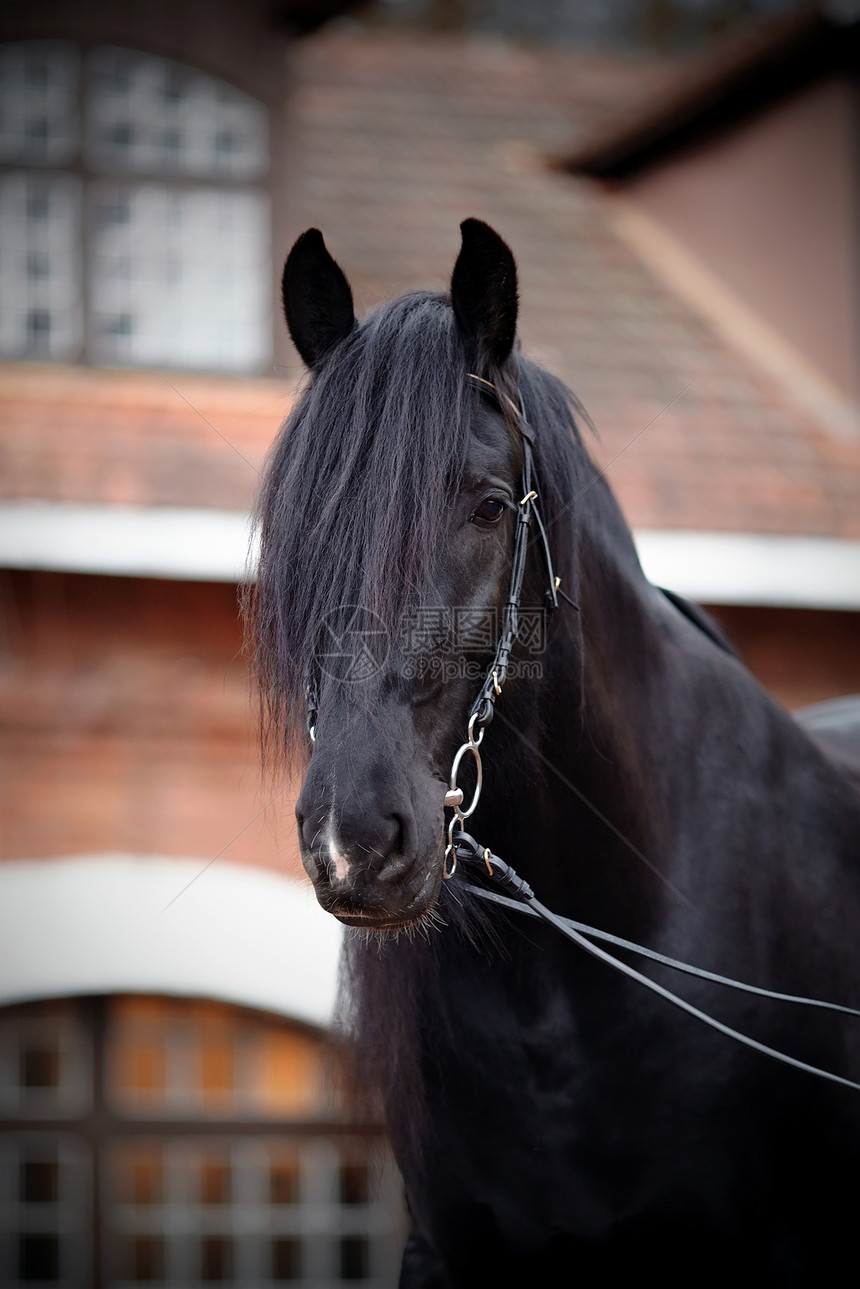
(525, 901)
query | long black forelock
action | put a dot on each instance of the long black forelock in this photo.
(353, 507)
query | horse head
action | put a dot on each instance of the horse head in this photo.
(387, 530)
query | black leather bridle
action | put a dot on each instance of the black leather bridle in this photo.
(528, 510)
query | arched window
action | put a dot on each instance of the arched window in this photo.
(173, 1142)
(134, 224)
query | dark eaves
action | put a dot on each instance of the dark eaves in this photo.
(732, 84)
(300, 17)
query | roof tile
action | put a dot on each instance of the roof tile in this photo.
(396, 138)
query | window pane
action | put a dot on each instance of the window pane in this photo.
(216, 1068)
(38, 102)
(139, 1056)
(354, 1183)
(179, 278)
(286, 1260)
(290, 1080)
(141, 1071)
(138, 1175)
(40, 1064)
(284, 1179)
(215, 1180)
(39, 1181)
(44, 1058)
(147, 1182)
(148, 115)
(40, 294)
(145, 1258)
(38, 1258)
(354, 1258)
(216, 1259)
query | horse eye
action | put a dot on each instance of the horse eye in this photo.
(490, 511)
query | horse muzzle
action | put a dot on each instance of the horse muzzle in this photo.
(370, 870)
(378, 895)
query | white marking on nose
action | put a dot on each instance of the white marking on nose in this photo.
(339, 863)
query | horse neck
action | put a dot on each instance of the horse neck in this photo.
(632, 749)
(587, 734)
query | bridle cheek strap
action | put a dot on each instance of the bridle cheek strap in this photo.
(482, 708)
(481, 712)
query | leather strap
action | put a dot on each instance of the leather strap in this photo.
(482, 708)
(467, 849)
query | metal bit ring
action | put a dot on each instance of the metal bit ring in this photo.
(459, 812)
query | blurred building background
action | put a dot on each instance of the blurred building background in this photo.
(680, 183)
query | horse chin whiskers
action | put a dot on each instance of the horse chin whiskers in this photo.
(415, 911)
(427, 924)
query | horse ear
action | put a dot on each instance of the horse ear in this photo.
(317, 298)
(484, 291)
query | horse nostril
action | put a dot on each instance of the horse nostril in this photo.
(300, 825)
(387, 858)
(374, 846)
(393, 836)
(310, 834)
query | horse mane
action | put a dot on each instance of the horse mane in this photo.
(353, 510)
(353, 507)
(696, 614)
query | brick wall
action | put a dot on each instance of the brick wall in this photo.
(128, 725)
(801, 655)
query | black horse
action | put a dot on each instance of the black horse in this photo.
(555, 1123)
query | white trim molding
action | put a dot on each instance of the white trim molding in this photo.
(754, 568)
(181, 927)
(189, 544)
(219, 546)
